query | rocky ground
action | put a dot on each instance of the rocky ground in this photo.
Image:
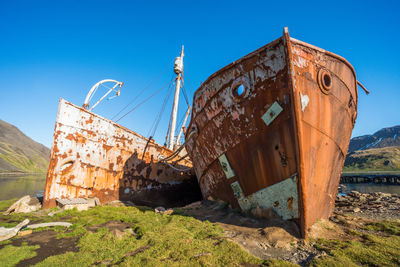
(275, 238)
(373, 206)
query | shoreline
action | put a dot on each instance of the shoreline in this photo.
(21, 173)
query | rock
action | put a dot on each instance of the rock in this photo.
(25, 233)
(362, 198)
(266, 213)
(159, 210)
(278, 237)
(168, 212)
(118, 234)
(129, 231)
(162, 210)
(356, 210)
(354, 194)
(210, 198)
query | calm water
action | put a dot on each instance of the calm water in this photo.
(21, 185)
(369, 188)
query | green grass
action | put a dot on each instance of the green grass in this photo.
(372, 249)
(389, 227)
(16, 157)
(11, 255)
(178, 240)
(158, 240)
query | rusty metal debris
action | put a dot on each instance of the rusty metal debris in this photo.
(271, 130)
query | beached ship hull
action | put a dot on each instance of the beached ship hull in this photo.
(95, 157)
(271, 130)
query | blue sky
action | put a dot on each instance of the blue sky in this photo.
(59, 49)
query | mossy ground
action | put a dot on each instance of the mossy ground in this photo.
(179, 240)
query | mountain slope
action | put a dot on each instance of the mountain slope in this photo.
(377, 152)
(19, 153)
(385, 137)
(374, 159)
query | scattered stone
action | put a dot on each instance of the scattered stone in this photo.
(354, 193)
(129, 231)
(159, 210)
(264, 213)
(25, 204)
(25, 233)
(118, 234)
(369, 204)
(162, 210)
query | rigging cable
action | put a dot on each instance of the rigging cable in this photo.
(141, 92)
(141, 103)
(157, 120)
(184, 92)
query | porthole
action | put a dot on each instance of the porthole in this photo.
(238, 91)
(324, 81)
(240, 88)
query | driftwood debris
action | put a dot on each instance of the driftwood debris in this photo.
(24, 205)
(7, 233)
(38, 225)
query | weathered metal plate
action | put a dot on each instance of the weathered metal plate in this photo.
(281, 197)
(237, 190)
(95, 157)
(274, 110)
(226, 167)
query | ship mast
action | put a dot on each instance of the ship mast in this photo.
(178, 68)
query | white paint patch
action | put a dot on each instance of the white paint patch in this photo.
(281, 197)
(300, 62)
(226, 167)
(304, 99)
(274, 110)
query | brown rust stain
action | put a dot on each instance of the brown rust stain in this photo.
(106, 172)
(309, 139)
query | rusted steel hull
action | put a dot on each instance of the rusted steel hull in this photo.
(95, 157)
(281, 143)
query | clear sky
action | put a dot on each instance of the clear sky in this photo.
(53, 49)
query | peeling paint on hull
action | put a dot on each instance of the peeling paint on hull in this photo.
(308, 135)
(95, 157)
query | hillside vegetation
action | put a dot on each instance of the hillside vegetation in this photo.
(375, 159)
(19, 153)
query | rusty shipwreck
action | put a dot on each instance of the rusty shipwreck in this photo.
(271, 130)
(92, 156)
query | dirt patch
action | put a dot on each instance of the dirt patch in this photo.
(273, 238)
(49, 245)
(111, 225)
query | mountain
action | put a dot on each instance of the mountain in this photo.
(19, 153)
(383, 138)
(377, 152)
